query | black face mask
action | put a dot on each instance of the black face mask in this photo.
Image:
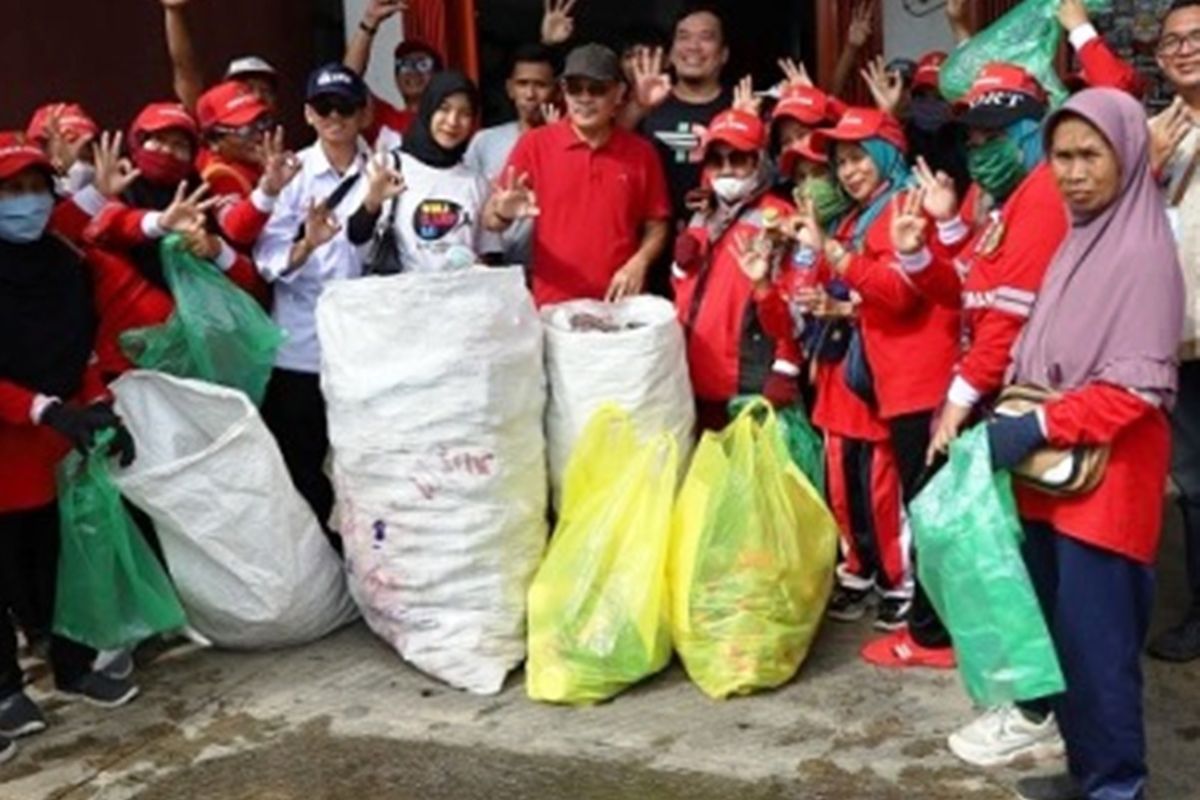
(929, 114)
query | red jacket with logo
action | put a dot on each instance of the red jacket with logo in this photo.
(730, 343)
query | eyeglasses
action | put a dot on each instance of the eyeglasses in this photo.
(252, 131)
(736, 159)
(417, 63)
(326, 104)
(581, 86)
(1172, 44)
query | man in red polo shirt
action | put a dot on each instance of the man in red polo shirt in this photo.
(598, 191)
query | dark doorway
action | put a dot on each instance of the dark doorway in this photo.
(759, 33)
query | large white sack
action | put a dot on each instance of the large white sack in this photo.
(251, 564)
(435, 397)
(642, 369)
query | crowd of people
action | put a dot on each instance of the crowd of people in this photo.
(895, 268)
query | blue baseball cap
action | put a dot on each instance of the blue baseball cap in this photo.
(337, 79)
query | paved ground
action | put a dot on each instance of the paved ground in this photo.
(345, 719)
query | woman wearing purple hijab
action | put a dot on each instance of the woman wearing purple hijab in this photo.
(1103, 334)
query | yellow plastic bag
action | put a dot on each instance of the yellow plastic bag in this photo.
(598, 605)
(752, 559)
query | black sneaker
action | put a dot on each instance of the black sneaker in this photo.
(100, 690)
(20, 716)
(1049, 787)
(848, 605)
(1179, 644)
(8, 749)
(892, 614)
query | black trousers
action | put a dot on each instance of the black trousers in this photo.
(294, 410)
(29, 544)
(911, 435)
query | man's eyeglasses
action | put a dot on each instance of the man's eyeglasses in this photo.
(736, 159)
(326, 104)
(582, 86)
(1172, 44)
(415, 63)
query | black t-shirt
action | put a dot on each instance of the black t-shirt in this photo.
(674, 127)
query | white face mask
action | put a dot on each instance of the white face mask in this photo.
(732, 190)
(80, 174)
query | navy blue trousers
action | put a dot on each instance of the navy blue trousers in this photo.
(1097, 605)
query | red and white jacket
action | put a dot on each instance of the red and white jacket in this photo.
(993, 271)
(732, 346)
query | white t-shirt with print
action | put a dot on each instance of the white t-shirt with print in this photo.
(439, 210)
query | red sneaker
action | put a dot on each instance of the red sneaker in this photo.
(898, 650)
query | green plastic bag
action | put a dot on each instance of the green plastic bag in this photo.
(218, 333)
(1028, 35)
(598, 606)
(803, 442)
(968, 544)
(752, 559)
(112, 591)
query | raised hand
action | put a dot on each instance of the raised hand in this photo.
(384, 181)
(551, 113)
(753, 255)
(956, 15)
(62, 151)
(809, 232)
(941, 199)
(909, 223)
(379, 10)
(862, 24)
(651, 84)
(114, 174)
(174, 3)
(1168, 129)
(186, 208)
(1072, 14)
(744, 98)
(886, 87)
(512, 198)
(280, 165)
(794, 72)
(557, 23)
(198, 240)
(320, 225)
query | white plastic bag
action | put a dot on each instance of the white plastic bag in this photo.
(251, 564)
(435, 395)
(641, 366)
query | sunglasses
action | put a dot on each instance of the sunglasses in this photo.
(252, 131)
(586, 86)
(326, 104)
(736, 159)
(420, 63)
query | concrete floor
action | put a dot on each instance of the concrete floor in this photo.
(345, 719)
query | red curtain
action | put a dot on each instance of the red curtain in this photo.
(448, 25)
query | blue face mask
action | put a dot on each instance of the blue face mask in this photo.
(23, 218)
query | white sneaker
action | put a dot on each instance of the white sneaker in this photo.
(1003, 735)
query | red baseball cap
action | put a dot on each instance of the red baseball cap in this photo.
(18, 153)
(741, 130)
(800, 149)
(165, 116)
(807, 105)
(1001, 94)
(73, 121)
(229, 105)
(861, 123)
(929, 68)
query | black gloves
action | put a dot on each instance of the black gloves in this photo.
(1011, 439)
(80, 426)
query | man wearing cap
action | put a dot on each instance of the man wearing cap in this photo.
(255, 73)
(988, 258)
(724, 273)
(51, 399)
(233, 121)
(304, 247)
(414, 62)
(598, 191)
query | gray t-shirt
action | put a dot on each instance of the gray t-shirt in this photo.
(487, 155)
